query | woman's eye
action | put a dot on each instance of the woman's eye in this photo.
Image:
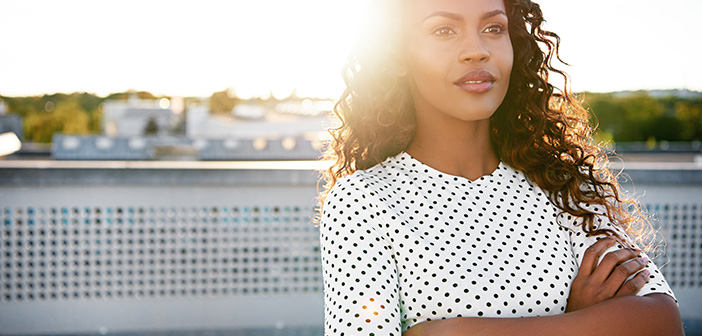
(443, 31)
(495, 29)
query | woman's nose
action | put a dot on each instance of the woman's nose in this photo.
(473, 49)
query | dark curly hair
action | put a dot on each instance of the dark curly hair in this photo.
(538, 129)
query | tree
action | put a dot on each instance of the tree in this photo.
(67, 117)
(634, 117)
(151, 126)
(125, 95)
(690, 115)
(223, 102)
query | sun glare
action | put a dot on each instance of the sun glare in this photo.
(164, 103)
(301, 46)
(255, 48)
(264, 47)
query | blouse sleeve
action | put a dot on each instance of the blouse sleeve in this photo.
(361, 295)
(580, 242)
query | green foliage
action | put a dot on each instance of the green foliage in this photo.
(68, 117)
(42, 116)
(222, 102)
(690, 115)
(76, 113)
(127, 94)
(638, 116)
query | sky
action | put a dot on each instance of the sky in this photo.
(194, 48)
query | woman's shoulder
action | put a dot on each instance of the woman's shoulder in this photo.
(375, 174)
(361, 199)
(366, 183)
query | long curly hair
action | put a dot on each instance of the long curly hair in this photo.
(538, 129)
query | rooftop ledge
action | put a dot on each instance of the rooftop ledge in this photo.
(271, 173)
(269, 165)
(25, 173)
(207, 165)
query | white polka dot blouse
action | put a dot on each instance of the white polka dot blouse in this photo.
(402, 243)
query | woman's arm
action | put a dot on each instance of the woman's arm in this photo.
(604, 276)
(601, 302)
(361, 291)
(653, 314)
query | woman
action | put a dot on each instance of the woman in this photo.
(464, 188)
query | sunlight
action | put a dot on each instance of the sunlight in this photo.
(256, 48)
(164, 103)
(299, 46)
(265, 47)
(371, 310)
(9, 143)
(280, 47)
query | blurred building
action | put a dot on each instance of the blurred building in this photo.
(180, 148)
(292, 129)
(298, 118)
(131, 117)
(9, 122)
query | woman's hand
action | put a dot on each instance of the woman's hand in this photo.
(596, 283)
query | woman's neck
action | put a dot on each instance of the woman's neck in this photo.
(458, 148)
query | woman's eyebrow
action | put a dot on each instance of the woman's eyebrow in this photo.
(492, 13)
(452, 16)
(458, 17)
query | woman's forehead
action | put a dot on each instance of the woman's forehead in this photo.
(420, 9)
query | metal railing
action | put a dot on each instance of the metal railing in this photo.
(110, 247)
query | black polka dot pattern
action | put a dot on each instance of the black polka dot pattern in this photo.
(402, 243)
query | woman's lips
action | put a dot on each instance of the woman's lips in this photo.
(476, 81)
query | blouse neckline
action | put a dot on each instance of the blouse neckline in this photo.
(422, 168)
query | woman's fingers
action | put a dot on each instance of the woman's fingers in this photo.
(634, 284)
(618, 278)
(616, 274)
(592, 255)
(614, 264)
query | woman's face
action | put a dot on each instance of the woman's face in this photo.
(458, 58)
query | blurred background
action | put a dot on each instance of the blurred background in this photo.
(158, 159)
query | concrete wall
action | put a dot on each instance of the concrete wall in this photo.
(114, 247)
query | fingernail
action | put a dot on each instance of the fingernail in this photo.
(646, 273)
(645, 260)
